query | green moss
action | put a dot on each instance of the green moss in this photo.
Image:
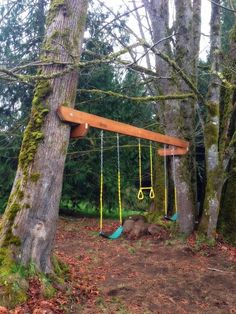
(140, 99)
(227, 216)
(13, 210)
(211, 134)
(64, 147)
(11, 239)
(213, 109)
(232, 34)
(60, 268)
(21, 194)
(55, 7)
(34, 177)
(233, 140)
(33, 134)
(13, 286)
(48, 290)
(157, 218)
(62, 37)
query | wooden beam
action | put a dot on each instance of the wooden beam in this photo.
(74, 116)
(80, 131)
(172, 151)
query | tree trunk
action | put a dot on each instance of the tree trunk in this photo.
(159, 16)
(188, 22)
(29, 223)
(214, 169)
(178, 117)
(227, 217)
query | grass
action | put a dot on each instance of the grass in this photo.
(86, 209)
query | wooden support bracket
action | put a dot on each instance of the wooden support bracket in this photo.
(172, 151)
(79, 131)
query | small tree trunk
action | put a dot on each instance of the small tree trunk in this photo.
(29, 223)
(214, 169)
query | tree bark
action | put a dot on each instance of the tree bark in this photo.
(159, 16)
(187, 24)
(29, 223)
(178, 117)
(214, 169)
(227, 142)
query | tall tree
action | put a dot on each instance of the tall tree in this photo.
(227, 215)
(178, 116)
(214, 155)
(29, 223)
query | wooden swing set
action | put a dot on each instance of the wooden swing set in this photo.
(81, 121)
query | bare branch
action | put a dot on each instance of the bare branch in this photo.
(117, 16)
(153, 46)
(222, 6)
(8, 12)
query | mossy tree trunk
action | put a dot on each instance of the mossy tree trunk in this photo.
(227, 216)
(214, 169)
(159, 16)
(178, 118)
(188, 23)
(29, 222)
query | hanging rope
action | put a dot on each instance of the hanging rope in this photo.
(141, 188)
(119, 179)
(165, 177)
(151, 194)
(175, 189)
(140, 192)
(118, 232)
(101, 183)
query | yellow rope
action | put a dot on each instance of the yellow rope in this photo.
(140, 164)
(151, 166)
(151, 194)
(176, 206)
(165, 201)
(119, 196)
(166, 187)
(141, 188)
(101, 201)
(140, 192)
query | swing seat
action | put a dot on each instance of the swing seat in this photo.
(172, 218)
(115, 235)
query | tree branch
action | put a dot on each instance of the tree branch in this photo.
(137, 99)
(222, 6)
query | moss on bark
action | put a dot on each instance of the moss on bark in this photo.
(33, 133)
(227, 217)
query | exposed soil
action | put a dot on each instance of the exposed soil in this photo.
(151, 275)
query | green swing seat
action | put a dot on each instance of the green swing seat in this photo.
(115, 235)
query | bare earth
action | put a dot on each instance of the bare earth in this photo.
(150, 275)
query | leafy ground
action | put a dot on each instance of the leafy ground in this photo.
(152, 275)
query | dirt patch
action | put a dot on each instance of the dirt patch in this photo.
(142, 276)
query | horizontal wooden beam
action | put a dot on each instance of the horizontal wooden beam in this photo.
(172, 151)
(78, 117)
(79, 131)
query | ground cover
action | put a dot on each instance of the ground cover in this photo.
(158, 274)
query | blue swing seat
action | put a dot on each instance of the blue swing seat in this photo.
(115, 235)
